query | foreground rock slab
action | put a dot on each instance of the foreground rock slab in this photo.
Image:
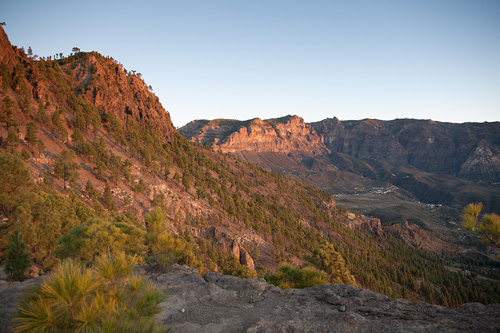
(220, 303)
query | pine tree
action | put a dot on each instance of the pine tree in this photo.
(18, 259)
(65, 167)
(42, 115)
(108, 297)
(91, 190)
(78, 139)
(25, 155)
(488, 228)
(12, 141)
(327, 259)
(31, 136)
(15, 181)
(7, 117)
(108, 197)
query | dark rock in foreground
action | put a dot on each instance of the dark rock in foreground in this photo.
(220, 303)
(11, 294)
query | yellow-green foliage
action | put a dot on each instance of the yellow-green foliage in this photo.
(43, 218)
(192, 258)
(88, 240)
(470, 215)
(165, 248)
(15, 181)
(327, 259)
(156, 222)
(328, 266)
(488, 227)
(105, 298)
(288, 276)
(230, 265)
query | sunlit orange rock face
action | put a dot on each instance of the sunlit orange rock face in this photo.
(283, 135)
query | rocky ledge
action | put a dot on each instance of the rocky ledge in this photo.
(220, 303)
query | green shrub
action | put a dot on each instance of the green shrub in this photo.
(88, 240)
(166, 249)
(287, 276)
(105, 298)
(230, 265)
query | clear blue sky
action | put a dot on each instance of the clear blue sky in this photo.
(240, 59)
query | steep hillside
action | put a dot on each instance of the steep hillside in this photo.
(129, 158)
(110, 173)
(378, 179)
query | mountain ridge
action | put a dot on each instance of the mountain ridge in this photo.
(375, 150)
(393, 141)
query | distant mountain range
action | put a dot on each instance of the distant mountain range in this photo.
(428, 161)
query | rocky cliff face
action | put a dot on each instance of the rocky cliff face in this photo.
(9, 55)
(483, 163)
(366, 140)
(220, 303)
(227, 245)
(109, 87)
(428, 145)
(282, 135)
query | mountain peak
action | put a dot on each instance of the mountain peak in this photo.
(483, 162)
(8, 53)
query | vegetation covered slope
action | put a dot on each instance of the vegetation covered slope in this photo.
(372, 166)
(101, 152)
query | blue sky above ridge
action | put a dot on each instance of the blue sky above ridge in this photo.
(243, 59)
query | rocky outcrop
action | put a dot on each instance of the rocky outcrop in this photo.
(11, 294)
(483, 163)
(226, 244)
(87, 75)
(282, 135)
(220, 303)
(9, 55)
(370, 224)
(115, 91)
